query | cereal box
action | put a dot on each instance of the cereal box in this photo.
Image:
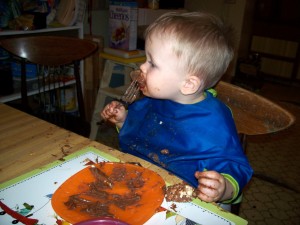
(123, 24)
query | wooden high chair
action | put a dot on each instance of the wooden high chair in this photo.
(253, 115)
(57, 61)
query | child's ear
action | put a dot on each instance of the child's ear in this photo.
(191, 85)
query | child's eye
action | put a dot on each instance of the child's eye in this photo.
(151, 64)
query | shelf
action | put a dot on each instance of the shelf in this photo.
(40, 31)
(16, 96)
(121, 60)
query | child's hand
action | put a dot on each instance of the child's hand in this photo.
(213, 187)
(114, 112)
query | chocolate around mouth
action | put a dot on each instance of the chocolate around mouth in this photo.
(138, 76)
(142, 84)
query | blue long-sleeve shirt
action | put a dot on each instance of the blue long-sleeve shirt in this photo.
(185, 138)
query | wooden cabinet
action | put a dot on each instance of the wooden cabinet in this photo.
(279, 57)
(276, 37)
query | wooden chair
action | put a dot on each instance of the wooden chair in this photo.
(57, 61)
(253, 115)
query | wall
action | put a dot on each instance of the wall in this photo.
(232, 11)
(99, 24)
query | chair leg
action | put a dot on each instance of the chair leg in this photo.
(235, 208)
(24, 97)
(100, 101)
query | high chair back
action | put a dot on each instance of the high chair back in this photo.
(57, 91)
(253, 115)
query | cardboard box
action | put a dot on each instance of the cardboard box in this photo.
(123, 24)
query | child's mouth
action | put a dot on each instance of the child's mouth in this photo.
(139, 77)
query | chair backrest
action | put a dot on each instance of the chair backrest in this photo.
(56, 60)
(253, 114)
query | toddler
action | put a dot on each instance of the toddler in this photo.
(179, 125)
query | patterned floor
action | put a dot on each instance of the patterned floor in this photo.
(273, 195)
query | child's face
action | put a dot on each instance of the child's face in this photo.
(163, 73)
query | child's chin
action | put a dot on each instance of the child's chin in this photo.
(145, 93)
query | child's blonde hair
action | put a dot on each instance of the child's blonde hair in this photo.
(201, 41)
